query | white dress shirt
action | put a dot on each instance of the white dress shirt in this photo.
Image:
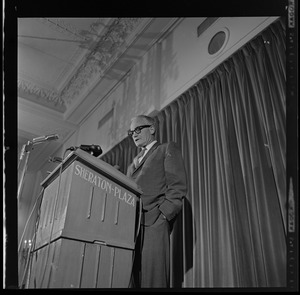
(148, 147)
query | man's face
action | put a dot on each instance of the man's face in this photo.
(145, 136)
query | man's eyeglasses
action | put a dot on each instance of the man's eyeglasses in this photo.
(137, 130)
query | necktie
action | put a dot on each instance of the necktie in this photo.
(141, 154)
(139, 157)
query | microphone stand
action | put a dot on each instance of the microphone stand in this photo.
(26, 148)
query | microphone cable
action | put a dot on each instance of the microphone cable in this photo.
(34, 243)
(34, 236)
(25, 227)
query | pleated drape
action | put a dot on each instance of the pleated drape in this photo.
(230, 127)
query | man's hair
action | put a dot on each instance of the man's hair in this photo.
(148, 120)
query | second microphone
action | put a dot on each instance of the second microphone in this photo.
(92, 149)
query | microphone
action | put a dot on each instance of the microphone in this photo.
(92, 149)
(44, 138)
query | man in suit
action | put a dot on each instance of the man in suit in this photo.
(159, 172)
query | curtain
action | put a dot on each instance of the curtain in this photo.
(230, 127)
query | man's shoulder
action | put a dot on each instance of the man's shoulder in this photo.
(168, 145)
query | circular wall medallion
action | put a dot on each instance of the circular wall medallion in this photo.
(218, 42)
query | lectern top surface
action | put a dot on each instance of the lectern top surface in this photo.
(96, 164)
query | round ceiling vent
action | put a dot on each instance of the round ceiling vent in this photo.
(218, 42)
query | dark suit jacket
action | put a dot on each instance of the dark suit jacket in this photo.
(162, 179)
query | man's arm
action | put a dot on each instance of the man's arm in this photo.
(129, 170)
(175, 180)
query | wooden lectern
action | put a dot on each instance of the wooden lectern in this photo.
(89, 219)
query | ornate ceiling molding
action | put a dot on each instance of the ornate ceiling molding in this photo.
(104, 49)
(48, 95)
(102, 56)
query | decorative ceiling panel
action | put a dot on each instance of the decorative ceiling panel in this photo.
(59, 60)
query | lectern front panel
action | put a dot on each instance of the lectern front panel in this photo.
(88, 206)
(67, 263)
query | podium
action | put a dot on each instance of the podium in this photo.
(88, 223)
